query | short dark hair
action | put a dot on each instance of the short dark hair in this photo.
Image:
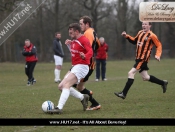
(57, 33)
(86, 19)
(75, 26)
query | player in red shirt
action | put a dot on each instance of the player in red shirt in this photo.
(81, 52)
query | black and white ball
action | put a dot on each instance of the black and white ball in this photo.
(47, 105)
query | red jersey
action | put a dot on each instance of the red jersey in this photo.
(102, 51)
(30, 53)
(82, 44)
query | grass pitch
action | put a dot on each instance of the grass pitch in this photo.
(144, 100)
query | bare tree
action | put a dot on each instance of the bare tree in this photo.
(97, 8)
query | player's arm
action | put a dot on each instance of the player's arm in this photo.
(68, 43)
(29, 53)
(88, 49)
(158, 47)
(33, 51)
(131, 39)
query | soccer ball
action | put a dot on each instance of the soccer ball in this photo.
(47, 105)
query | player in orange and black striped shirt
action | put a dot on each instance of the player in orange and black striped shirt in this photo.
(144, 41)
(85, 24)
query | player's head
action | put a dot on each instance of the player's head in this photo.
(85, 23)
(146, 26)
(58, 35)
(27, 42)
(74, 30)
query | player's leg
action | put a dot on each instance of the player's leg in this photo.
(153, 79)
(70, 79)
(128, 84)
(138, 66)
(80, 73)
(64, 86)
(94, 104)
(81, 87)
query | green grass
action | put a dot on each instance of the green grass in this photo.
(144, 100)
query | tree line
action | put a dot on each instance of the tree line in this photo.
(109, 18)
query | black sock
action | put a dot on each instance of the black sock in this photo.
(91, 99)
(156, 80)
(127, 86)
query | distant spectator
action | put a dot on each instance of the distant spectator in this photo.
(101, 58)
(30, 53)
(58, 56)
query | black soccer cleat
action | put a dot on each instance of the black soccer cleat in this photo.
(56, 110)
(164, 86)
(120, 94)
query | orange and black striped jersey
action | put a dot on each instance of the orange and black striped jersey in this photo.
(89, 33)
(145, 43)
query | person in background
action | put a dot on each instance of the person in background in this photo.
(31, 58)
(58, 56)
(101, 57)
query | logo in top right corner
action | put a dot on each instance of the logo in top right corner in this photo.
(157, 11)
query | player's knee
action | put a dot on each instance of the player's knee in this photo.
(130, 74)
(145, 78)
(60, 86)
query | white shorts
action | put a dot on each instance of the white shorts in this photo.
(58, 60)
(80, 71)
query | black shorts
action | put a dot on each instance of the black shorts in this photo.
(88, 75)
(141, 65)
(91, 69)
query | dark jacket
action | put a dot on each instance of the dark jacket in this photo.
(30, 53)
(57, 48)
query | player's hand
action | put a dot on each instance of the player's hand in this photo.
(157, 58)
(123, 34)
(82, 55)
(68, 41)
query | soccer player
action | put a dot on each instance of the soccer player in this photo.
(81, 52)
(58, 56)
(85, 24)
(144, 41)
